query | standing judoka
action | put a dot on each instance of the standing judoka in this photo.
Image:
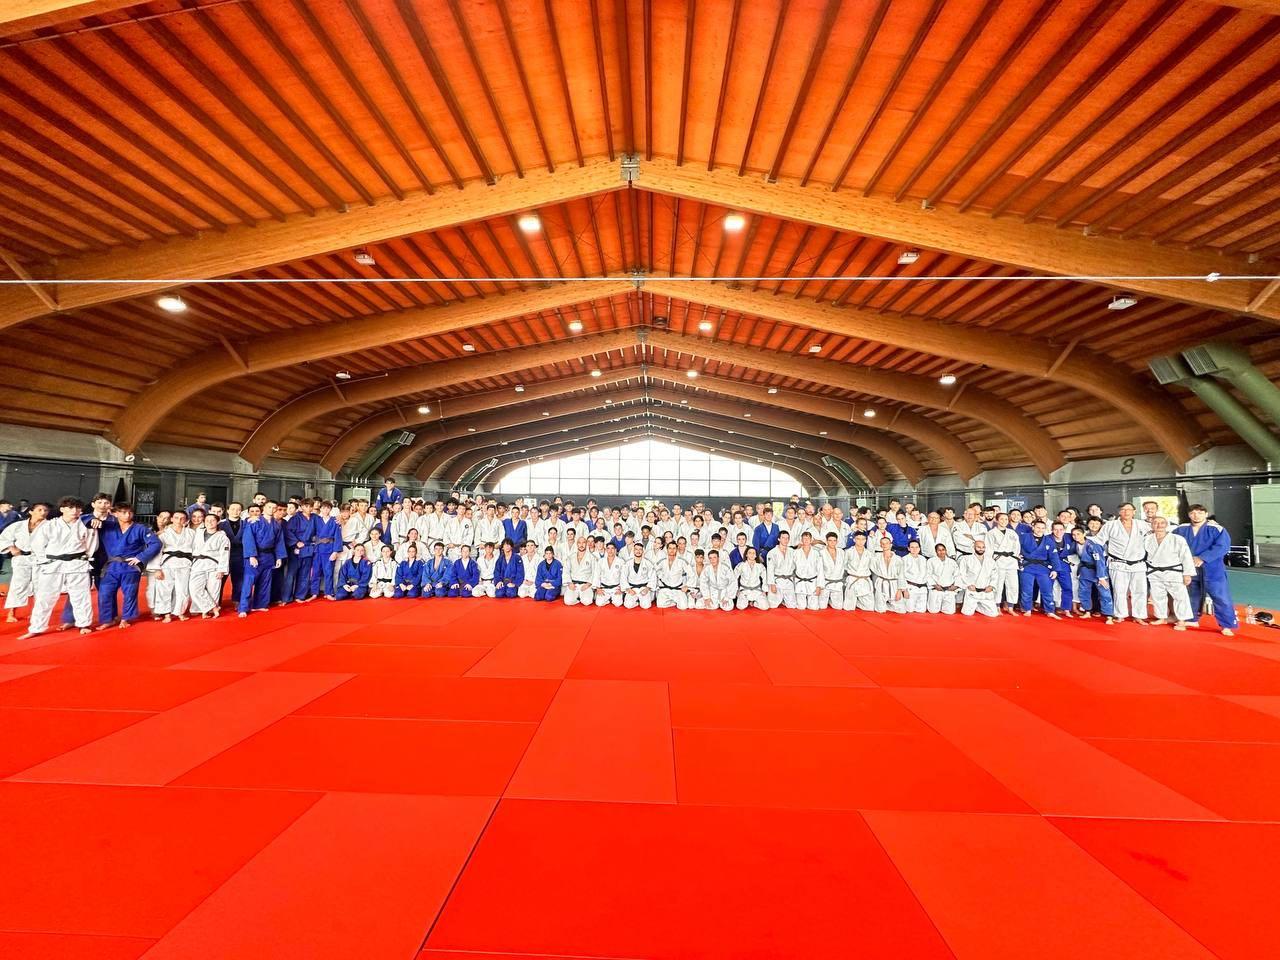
(326, 548)
(1170, 570)
(902, 533)
(210, 564)
(915, 574)
(1210, 544)
(640, 579)
(128, 548)
(15, 540)
(489, 529)
(859, 591)
(1127, 563)
(233, 526)
(807, 569)
(978, 578)
(673, 580)
(100, 519)
(765, 536)
(299, 534)
(1004, 547)
(63, 548)
(1039, 563)
(888, 582)
(944, 580)
(831, 573)
(1064, 584)
(264, 553)
(1091, 576)
(178, 542)
(579, 576)
(780, 573)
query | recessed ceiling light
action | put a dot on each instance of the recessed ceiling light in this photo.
(275, 449)
(685, 402)
(519, 388)
(364, 258)
(822, 433)
(1122, 301)
(691, 374)
(868, 412)
(529, 222)
(734, 222)
(730, 432)
(815, 348)
(575, 326)
(424, 409)
(545, 414)
(469, 348)
(947, 379)
(773, 389)
(793, 446)
(608, 402)
(343, 374)
(471, 429)
(564, 429)
(705, 326)
(907, 257)
(504, 443)
(172, 303)
(747, 415)
(596, 373)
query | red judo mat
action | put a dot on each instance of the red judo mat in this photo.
(467, 779)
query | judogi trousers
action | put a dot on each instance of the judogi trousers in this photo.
(858, 594)
(942, 601)
(785, 594)
(885, 597)
(1166, 587)
(642, 600)
(119, 578)
(50, 584)
(205, 586)
(525, 590)
(981, 602)
(256, 591)
(607, 596)
(831, 595)
(578, 593)
(1087, 589)
(917, 598)
(1129, 589)
(484, 588)
(1006, 586)
(672, 597)
(753, 598)
(380, 588)
(22, 584)
(1033, 576)
(806, 592)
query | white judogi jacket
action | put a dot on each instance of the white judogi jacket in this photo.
(488, 531)
(1168, 561)
(212, 546)
(889, 573)
(858, 565)
(751, 576)
(780, 566)
(831, 568)
(673, 574)
(633, 579)
(402, 551)
(17, 535)
(431, 528)
(383, 570)
(608, 575)
(1003, 541)
(580, 571)
(356, 529)
(718, 583)
(1123, 544)
(174, 542)
(486, 565)
(458, 531)
(943, 573)
(978, 572)
(929, 539)
(963, 535)
(915, 570)
(807, 569)
(401, 524)
(55, 538)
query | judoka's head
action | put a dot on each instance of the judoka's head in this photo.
(1059, 529)
(390, 483)
(357, 552)
(638, 551)
(806, 540)
(1126, 511)
(386, 551)
(548, 554)
(833, 539)
(940, 550)
(582, 547)
(901, 517)
(1093, 524)
(437, 549)
(913, 548)
(1037, 527)
(751, 555)
(1077, 534)
(1015, 516)
(411, 552)
(1159, 526)
(178, 520)
(488, 548)
(886, 544)
(784, 539)
(672, 549)
(979, 547)
(1002, 521)
(860, 538)
(197, 518)
(124, 513)
(466, 551)
(610, 551)
(1198, 513)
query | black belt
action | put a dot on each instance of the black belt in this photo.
(120, 559)
(180, 554)
(1091, 566)
(66, 556)
(835, 581)
(912, 583)
(486, 579)
(581, 583)
(804, 579)
(1000, 553)
(1037, 563)
(1151, 569)
(1114, 559)
(380, 580)
(667, 586)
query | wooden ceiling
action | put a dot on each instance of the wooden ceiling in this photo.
(267, 141)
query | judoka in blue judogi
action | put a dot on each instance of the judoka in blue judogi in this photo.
(1039, 563)
(128, 547)
(263, 543)
(1210, 544)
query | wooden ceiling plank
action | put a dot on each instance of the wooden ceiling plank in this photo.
(566, 95)
(41, 292)
(1207, 214)
(597, 45)
(829, 12)
(624, 72)
(1256, 215)
(482, 75)
(686, 75)
(509, 34)
(27, 16)
(764, 86)
(725, 72)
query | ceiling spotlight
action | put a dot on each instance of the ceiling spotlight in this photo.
(529, 222)
(908, 257)
(822, 433)
(691, 374)
(468, 348)
(608, 402)
(519, 388)
(596, 373)
(172, 303)
(868, 413)
(1213, 277)
(773, 390)
(793, 446)
(575, 326)
(129, 458)
(747, 415)
(343, 375)
(1122, 301)
(275, 449)
(424, 409)
(730, 432)
(815, 348)
(504, 443)
(705, 326)
(364, 258)
(734, 222)
(947, 379)
(564, 429)
(685, 402)
(545, 414)
(471, 429)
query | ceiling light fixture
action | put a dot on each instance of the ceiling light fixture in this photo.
(471, 429)
(747, 415)
(1213, 277)
(822, 433)
(469, 348)
(868, 413)
(172, 303)
(343, 375)
(596, 373)
(1122, 301)
(529, 222)
(504, 443)
(705, 326)
(815, 348)
(773, 390)
(947, 379)
(734, 222)
(575, 326)
(424, 409)
(519, 388)
(907, 257)
(691, 374)
(364, 257)
(545, 414)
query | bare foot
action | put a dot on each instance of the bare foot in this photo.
(63, 626)
(11, 619)
(1228, 632)
(242, 615)
(1180, 627)
(217, 614)
(1084, 616)
(29, 636)
(167, 619)
(1111, 621)
(1053, 616)
(125, 624)
(85, 631)
(1142, 623)
(182, 617)
(104, 626)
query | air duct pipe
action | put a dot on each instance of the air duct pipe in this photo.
(1231, 363)
(379, 452)
(1172, 370)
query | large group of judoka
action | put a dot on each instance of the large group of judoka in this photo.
(898, 559)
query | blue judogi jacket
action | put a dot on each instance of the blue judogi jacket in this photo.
(1066, 547)
(262, 539)
(298, 531)
(409, 571)
(1093, 561)
(384, 499)
(765, 537)
(1211, 545)
(465, 573)
(355, 573)
(133, 542)
(325, 530)
(237, 539)
(100, 552)
(434, 576)
(901, 536)
(553, 571)
(517, 531)
(505, 570)
(1039, 552)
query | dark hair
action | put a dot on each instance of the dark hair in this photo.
(72, 502)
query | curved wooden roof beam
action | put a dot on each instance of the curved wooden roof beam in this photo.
(1154, 409)
(451, 460)
(273, 351)
(818, 477)
(430, 376)
(23, 16)
(241, 249)
(592, 409)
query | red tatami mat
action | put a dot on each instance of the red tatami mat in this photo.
(490, 780)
